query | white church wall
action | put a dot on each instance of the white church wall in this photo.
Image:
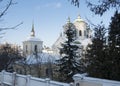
(80, 26)
(31, 47)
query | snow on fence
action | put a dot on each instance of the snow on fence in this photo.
(81, 80)
(13, 79)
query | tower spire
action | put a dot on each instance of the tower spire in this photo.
(33, 31)
(68, 21)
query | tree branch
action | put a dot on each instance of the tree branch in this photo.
(14, 27)
(103, 6)
(7, 7)
(75, 2)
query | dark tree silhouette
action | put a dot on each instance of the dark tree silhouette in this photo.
(8, 55)
(97, 55)
(114, 46)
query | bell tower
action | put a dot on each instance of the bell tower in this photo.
(32, 45)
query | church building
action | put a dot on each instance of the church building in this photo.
(36, 62)
(83, 35)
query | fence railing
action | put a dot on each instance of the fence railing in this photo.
(13, 79)
(81, 80)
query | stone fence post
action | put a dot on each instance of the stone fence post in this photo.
(13, 78)
(2, 80)
(71, 84)
(77, 79)
(28, 80)
(47, 81)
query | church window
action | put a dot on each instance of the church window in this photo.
(84, 33)
(47, 72)
(35, 48)
(77, 84)
(80, 33)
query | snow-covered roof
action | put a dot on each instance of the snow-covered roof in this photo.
(60, 40)
(41, 58)
(85, 42)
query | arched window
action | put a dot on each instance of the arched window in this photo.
(77, 84)
(80, 33)
(35, 48)
(47, 72)
(85, 33)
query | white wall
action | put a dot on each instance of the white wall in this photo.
(14, 79)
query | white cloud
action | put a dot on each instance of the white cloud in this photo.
(53, 5)
(38, 7)
(58, 5)
(49, 5)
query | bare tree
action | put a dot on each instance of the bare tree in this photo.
(103, 5)
(100, 7)
(3, 10)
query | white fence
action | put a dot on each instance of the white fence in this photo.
(81, 80)
(13, 79)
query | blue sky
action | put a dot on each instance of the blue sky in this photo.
(48, 15)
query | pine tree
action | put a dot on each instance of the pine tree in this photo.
(96, 57)
(114, 46)
(69, 62)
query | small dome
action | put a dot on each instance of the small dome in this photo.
(79, 19)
